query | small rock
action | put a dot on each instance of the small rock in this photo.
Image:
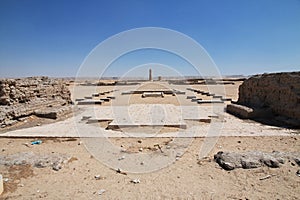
(56, 167)
(298, 173)
(26, 144)
(227, 166)
(139, 141)
(97, 177)
(297, 160)
(121, 158)
(123, 150)
(100, 192)
(135, 181)
(168, 147)
(140, 149)
(120, 171)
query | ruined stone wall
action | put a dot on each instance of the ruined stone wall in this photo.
(34, 95)
(278, 92)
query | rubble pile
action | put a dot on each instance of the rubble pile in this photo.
(40, 96)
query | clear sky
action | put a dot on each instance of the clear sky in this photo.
(53, 37)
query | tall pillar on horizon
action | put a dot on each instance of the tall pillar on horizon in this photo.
(150, 74)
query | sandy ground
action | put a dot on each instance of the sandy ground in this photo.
(187, 177)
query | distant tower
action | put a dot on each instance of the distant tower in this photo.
(150, 74)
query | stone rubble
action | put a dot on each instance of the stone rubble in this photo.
(40, 96)
(54, 161)
(254, 159)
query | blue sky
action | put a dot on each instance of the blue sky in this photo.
(53, 37)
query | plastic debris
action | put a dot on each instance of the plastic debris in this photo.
(36, 142)
(120, 171)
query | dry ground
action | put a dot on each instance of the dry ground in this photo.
(187, 178)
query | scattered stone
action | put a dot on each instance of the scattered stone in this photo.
(298, 173)
(97, 177)
(241, 111)
(297, 160)
(121, 158)
(54, 161)
(266, 177)
(56, 166)
(120, 171)
(26, 144)
(135, 181)
(252, 159)
(100, 192)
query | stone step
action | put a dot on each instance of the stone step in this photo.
(95, 95)
(209, 101)
(90, 102)
(196, 99)
(105, 99)
(191, 97)
(152, 94)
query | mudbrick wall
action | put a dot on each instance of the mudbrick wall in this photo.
(40, 96)
(276, 93)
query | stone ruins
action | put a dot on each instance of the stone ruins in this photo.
(40, 96)
(273, 96)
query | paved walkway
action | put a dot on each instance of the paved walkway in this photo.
(224, 125)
